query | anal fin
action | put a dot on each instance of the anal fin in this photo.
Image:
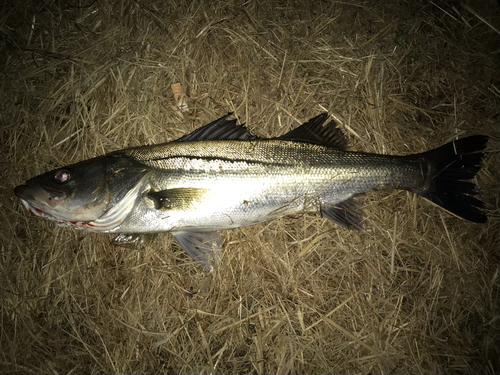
(203, 247)
(347, 214)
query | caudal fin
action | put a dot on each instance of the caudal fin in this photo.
(449, 166)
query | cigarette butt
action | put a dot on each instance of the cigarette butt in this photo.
(176, 90)
(179, 97)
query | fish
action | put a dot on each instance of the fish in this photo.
(221, 177)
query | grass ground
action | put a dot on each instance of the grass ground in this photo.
(418, 292)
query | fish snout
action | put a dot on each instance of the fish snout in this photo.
(37, 194)
(21, 191)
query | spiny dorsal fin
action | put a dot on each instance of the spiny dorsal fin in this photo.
(221, 129)
(314, 131)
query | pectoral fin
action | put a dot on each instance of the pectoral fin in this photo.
(178, 199)
(204, 247)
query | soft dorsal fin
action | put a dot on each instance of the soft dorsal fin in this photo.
(314, 131)
(221, 129)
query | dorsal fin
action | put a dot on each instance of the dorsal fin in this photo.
(314, 131)
(221, 129)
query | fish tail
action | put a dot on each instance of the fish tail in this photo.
(448, 168)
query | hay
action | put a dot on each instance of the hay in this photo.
(416, 293)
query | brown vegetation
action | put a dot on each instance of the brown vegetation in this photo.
(417, 292)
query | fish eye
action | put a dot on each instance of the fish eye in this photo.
(63, 176)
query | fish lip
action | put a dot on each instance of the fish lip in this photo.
(27, 195)
(38, 200)
(29, 192)
(33, 194)
(20, 192)
(34, 198)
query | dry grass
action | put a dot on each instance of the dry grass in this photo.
(417, 293)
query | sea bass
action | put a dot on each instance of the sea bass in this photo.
(221, 177)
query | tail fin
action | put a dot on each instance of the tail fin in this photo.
(449, 166)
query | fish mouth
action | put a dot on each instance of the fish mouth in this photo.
(24, 192)
(47, 203)
(39, 201)
(50, 197)
(30, 197)
(36, 201)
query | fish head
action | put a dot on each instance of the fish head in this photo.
(96, 194)
(68, 196)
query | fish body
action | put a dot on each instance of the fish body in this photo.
(222, 177)
(227, 184)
